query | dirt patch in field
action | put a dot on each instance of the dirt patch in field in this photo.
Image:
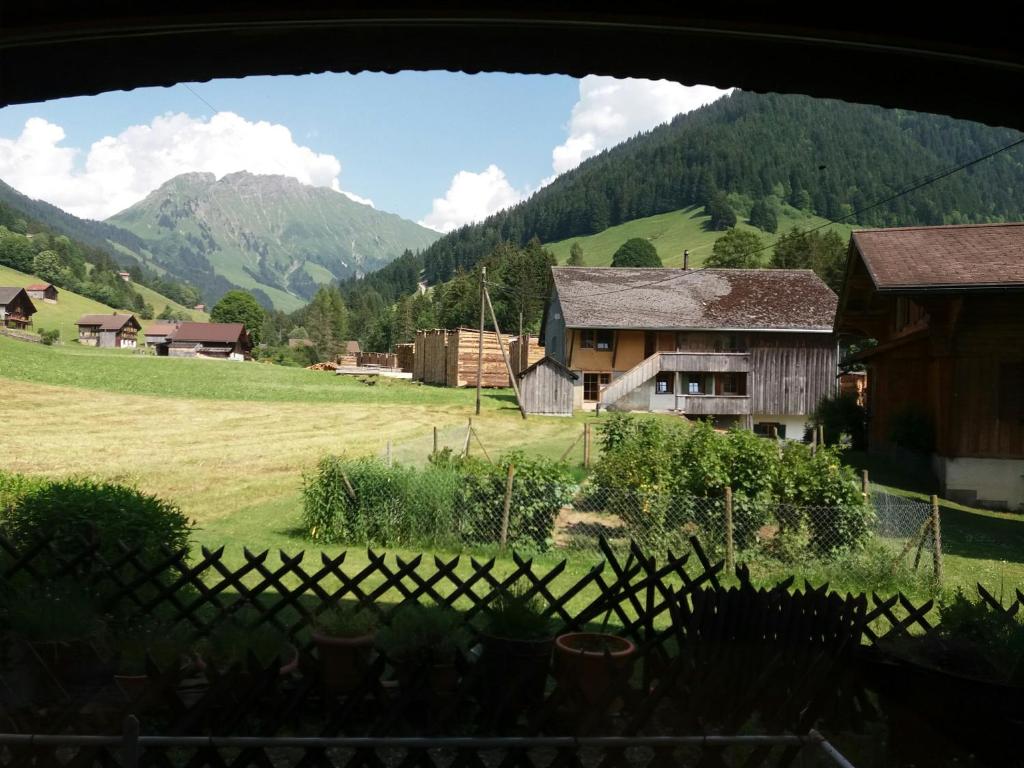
(573, 525)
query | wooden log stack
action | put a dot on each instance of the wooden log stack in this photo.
(462, 360)
(431, 362)
(405, 354)
(523, 352)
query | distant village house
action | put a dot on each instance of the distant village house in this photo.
(16, 308)
(747, 347)
(108, 331)
(221, 341)
(44, 291)
(159, 333)
(946, 380)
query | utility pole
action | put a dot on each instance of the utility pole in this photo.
(480, 342)
(504, 352)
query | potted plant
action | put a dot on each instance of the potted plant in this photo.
(517, 638)
(967, 673)
(141, 647)
(235, 645)
(424, 644)
(344, 637)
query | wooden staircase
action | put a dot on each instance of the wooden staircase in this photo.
(631, 379)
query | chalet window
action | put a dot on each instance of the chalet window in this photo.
(596, 339)
(764, 428)
(1011, 392)
(695, 384)
(664, 383)
(730, 383)
(592, 383)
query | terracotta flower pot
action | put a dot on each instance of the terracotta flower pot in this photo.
(343, 660)
(590, 666)
(134, 687)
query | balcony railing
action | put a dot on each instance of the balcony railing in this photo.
(706, 362)
(714, 405)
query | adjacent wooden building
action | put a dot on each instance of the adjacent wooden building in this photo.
(16, 308)
(109, 331)
(157, 336)
(43, 291)
(946, 306)
(753, 347)
(219, 341)
(546, 388)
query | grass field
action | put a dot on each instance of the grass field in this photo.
(71, 306)
(229, 443)
(673, 232)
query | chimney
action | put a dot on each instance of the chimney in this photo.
(686, 259)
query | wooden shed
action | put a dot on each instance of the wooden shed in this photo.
(546, 388)
(463, 349)
(406, 354)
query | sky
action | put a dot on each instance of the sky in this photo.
(444, 149)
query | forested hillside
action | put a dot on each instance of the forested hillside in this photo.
(823, 157)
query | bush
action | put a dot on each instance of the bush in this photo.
(49, 337)
(387, 506)
(540, 489)
(841, 416)
(660, 477)
(76, 511)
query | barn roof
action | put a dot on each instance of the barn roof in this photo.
(107, 322)
(161, 329)
(675, 299)
(959, 256)
(548, 361)
(40, 287)
(227, 333)
(8, 293)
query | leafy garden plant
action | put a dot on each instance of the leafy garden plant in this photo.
(428, 634)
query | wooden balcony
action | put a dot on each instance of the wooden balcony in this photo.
(714, 405)
(706, 362)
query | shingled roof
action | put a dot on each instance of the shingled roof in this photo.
(675, 299)
(7, 293)
(107, 322)
(204, 333)
(960, 256)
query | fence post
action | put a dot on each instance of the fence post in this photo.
(434, 453)
(469, 435)
(586, 445)
(730, 555)
(130, 743)
(508, 505)
(865, 485)
(936, 540)
(389, 453)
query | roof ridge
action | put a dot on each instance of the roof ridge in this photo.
(920, 227)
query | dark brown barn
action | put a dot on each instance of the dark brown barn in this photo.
(16, 308)
(946, 305)
(222, 341)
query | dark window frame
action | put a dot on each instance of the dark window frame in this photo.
(666, 379)
(593, 381)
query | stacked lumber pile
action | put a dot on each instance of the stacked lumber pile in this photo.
(327, 366)
(524, 351)
(431, 361)
(462, 360)
(346, 361)
(406, 354)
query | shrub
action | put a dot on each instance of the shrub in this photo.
(424, 633)
(386, 506)
(76, 511)
(540, 489)
(841, 416)
(49, 336)
(13, 487)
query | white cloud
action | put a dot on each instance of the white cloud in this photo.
(472, 197)
(610, 111)
(118, 171)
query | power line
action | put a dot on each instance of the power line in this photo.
(188, 88)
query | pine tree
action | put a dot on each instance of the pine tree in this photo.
(575, 255)
(763, 217)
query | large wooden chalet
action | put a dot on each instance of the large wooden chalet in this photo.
(16, 308)
(946, 305)
(108, 331)
(742, 346)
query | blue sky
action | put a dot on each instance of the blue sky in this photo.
(440, 148)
